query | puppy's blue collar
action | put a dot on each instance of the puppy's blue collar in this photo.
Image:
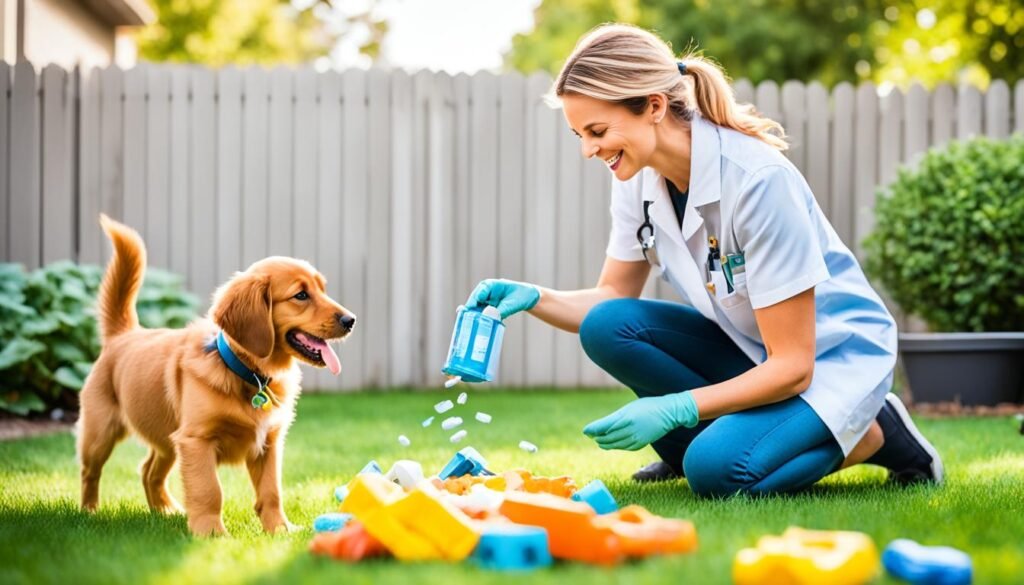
(263, 399)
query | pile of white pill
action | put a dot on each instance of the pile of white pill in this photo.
(454, 422)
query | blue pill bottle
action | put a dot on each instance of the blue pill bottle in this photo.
(476, 344)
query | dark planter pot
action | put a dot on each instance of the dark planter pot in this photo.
(972, 368)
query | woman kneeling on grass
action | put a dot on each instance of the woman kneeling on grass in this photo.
(776, 372)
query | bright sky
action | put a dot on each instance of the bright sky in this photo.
(449, 35)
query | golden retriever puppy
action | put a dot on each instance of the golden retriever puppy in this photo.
(183, 393)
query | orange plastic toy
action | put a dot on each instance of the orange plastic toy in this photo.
(572, 533)
(643, 534)
(351, 543)
(519, 479)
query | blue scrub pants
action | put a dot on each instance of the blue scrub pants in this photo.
(660, 347)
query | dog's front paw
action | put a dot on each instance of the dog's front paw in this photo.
(169, 506)
(170, 509)
(280, 526)
(207, 526)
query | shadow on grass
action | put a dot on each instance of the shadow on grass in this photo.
(678, 491)
(52, 540)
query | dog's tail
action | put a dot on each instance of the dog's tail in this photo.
(122, 280)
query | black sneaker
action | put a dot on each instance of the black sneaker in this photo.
(908, 456)
(657, 471)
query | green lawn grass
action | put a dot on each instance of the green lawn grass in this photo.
(44, 538)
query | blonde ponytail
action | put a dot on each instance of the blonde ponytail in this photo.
(716, 101)
(625, 64)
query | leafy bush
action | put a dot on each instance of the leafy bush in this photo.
(48, 331)
(948, 243)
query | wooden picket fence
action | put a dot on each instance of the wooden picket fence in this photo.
(404, 190)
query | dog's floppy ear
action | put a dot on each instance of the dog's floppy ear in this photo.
(242, 309)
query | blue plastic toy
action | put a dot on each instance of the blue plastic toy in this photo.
(331, 522)
(467, 460)
(372, 467)
(513, 547)
(340, 493)
(476, 344)
(934, 565)
(596, 494)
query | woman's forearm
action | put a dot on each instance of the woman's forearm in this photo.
(787, 329)
(566, 309)
(773, 381)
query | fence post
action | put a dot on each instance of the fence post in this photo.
(511, 185)
(819, 123)
(158, 166)
(5, 177)
(403, 296)
(230, 106)
(202, 186)
(57, 204)
(355, 213)
(968, 112)
(997, 110)
(179, 231)
(330, 219)
(943, 120)
(539, 222)
(1018, 106)
(442, 296)
(841, 169)
(25, 207)
(794, 112)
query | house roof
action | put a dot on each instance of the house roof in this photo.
(121, 12)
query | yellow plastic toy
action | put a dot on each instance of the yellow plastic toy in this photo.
(438, 522)
(367, 492)
(405, 544)
(807, 557)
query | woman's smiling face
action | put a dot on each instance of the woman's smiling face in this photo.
(609, 131)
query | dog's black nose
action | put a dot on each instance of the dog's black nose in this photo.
(347, 321)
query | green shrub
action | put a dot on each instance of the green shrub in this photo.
(948, 243)
(48, 331)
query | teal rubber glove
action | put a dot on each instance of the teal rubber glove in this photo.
(644, 421)
(508, 296)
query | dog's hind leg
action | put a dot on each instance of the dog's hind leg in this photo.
(100, 428)
(155, 468)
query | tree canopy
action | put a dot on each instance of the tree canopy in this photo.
(218, 32)
(828, 41)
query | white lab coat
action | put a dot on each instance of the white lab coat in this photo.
(754, 201)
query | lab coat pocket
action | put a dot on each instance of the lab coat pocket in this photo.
(738, 311)
(739, 294)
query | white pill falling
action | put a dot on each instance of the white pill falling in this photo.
(404, 440)
(444, 406)
(528, 446)
(427, 422)
(450, 382)
(458, 436)
(462, 398)
(451, 422)
(483, 417)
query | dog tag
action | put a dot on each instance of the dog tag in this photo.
(260, 400)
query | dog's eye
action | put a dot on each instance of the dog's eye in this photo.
(302, 296)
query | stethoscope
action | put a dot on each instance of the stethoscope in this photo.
(645, 235)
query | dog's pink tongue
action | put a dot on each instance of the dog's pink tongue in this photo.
(327, 353)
